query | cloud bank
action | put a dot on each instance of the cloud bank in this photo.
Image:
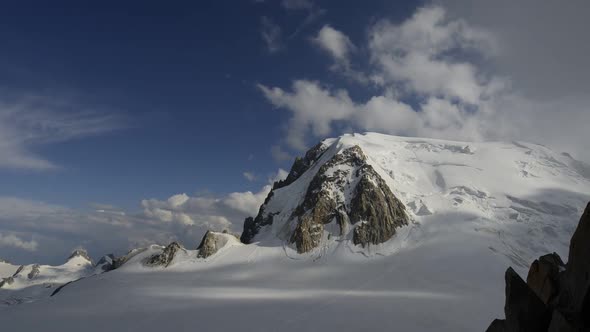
(434, 76)
(56, 230)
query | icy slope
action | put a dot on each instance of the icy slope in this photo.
(511, 191)
(473, 209)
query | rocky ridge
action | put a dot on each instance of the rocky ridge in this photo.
(343, 189)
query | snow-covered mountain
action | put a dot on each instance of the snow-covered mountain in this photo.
(368, 232)
(27, 283)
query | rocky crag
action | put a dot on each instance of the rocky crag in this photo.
(555, 296)
(342, 189)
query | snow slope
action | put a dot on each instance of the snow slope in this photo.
(34, 281)
(7, 269)
(475, 208)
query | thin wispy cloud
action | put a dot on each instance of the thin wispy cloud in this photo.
(30, 122)
(271, 35)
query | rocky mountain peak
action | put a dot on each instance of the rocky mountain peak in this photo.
(341, 189)
(80, 253)
(212, 242)
(166, 257)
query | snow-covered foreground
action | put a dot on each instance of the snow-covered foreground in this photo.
(475, 209)
(440, 286)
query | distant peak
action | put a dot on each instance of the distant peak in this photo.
(80, 253)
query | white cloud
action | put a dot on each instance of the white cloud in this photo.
(249, 176)
(431, 81)
(416, 53)
(281, 174)
(314, 109)
(27, 122)
(58, 229)
(11, 240)
(340, 48)
(278, 154)
(271, 35)
(336, 43)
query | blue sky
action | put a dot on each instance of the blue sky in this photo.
(182, 80)
(199, 105)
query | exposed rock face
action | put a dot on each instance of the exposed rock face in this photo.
(556, 297)
(345, 190)
(301, 165)
(523, 308)
(376, 208)
(212, 242)
(578, 265)
(34, 271)
(106, 263)
(19, 270)
(253, 225)
(543, 277)
(166, 257)
(6, 281)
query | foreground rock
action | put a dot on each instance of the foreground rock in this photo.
(344, 189)
(556, 297)
(212, 242)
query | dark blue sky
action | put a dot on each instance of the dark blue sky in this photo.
(183, 79)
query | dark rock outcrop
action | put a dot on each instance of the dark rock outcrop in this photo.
(34, 271)
(166, 257)
(106, 263)
(301, 165)
(376, 208)
(347, 190)
(556, 297)
(543, 276)
(578, 265)
(6, 281)
(253, 225)
(212, 242)
(18, 271)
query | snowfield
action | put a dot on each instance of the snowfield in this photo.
(475, 209)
